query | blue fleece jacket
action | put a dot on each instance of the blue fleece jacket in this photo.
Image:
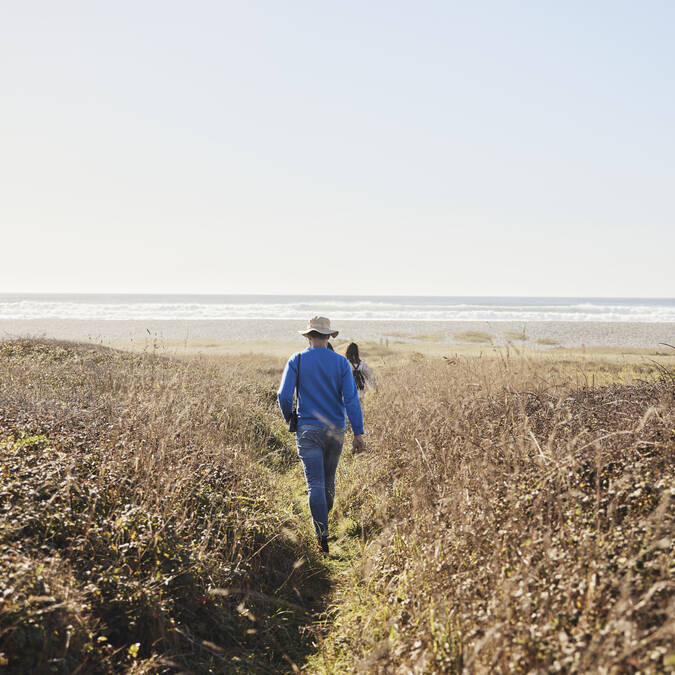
(326, 390)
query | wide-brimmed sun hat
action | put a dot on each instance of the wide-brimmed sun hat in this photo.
(320, 324)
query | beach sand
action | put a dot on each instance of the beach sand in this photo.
(281, 336)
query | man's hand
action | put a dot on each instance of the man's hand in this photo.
(358, 444)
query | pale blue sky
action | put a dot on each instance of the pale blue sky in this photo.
(449, 148)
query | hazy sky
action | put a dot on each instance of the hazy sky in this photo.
(449, 148)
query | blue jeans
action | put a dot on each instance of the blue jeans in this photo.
(319, 449)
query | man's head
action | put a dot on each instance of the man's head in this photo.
(318, 331)
(317, 339)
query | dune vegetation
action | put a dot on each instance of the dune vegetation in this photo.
(473, 336)
(511, 514)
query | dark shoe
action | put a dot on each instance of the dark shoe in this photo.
(323, 543)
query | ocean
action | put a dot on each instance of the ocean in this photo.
(362, 308)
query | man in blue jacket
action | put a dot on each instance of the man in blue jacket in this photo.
(327, 394)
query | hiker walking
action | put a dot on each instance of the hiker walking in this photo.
(325, 392)
(363, 376)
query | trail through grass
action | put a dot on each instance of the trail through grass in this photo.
(347, 539)
(349, 543)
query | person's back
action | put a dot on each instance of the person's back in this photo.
(324, 391)
(363, 375)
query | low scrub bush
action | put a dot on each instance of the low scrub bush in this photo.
(139, 527)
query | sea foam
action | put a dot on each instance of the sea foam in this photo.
(187, 308)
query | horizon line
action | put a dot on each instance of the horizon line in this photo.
(330, 295)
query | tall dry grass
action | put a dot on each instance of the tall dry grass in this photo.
(140, 524)
(510, 515)
(519, 519)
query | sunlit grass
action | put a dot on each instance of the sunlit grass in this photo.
(143, 519)
(548, 342)
(473, 336)
(154, 512)
(516, 335)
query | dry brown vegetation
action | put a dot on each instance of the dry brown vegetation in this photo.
(511, 514)
(516, 335)
(140, 524)
(547, 342)
(473, 336)
(525, 522)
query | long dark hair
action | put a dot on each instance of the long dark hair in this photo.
(352, 354)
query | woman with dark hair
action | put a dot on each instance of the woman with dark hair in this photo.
(363, 376)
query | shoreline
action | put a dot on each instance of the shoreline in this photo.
(534, 334)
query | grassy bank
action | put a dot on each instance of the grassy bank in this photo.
(521, 519)
(141, 525)
(513, 513)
